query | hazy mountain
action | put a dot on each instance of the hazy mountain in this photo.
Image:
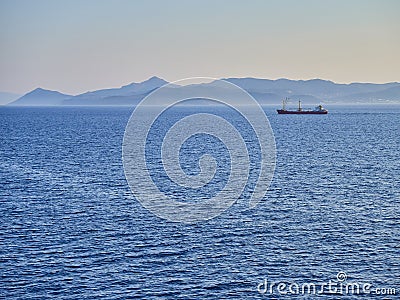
(6, 98)
(319, 90)
(125, 95)
(386, 95)
(265, 91)
(108, 100)
(40, 97)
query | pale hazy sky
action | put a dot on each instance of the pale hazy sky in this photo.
(74, 46)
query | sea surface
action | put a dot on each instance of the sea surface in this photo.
(71, 228)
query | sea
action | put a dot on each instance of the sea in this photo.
(72, 229)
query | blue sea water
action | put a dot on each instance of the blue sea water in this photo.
(71, 229)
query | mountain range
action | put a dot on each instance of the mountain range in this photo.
(265, 91)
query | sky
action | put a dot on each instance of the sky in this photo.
(75, 46)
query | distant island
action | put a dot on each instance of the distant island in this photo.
(265, 91)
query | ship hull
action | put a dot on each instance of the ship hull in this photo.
(302, 112)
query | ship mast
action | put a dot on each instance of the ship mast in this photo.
(284, 101)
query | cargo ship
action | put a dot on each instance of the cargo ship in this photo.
(318, 110)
